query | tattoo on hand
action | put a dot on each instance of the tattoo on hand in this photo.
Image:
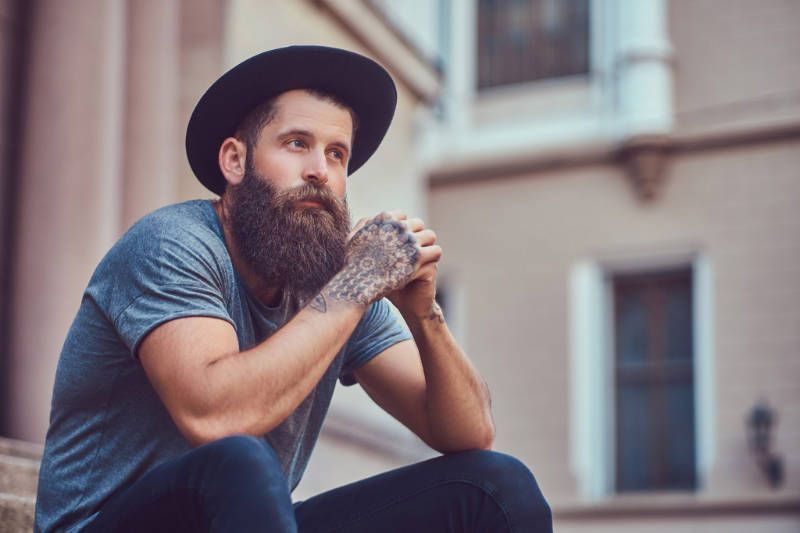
(381, 258)
(436, 313)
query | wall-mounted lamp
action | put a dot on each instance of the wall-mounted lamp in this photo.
(760, 422)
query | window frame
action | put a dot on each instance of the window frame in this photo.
(592, 409)
(479, 125)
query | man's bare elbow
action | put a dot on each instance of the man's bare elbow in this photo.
(484, 441)
(210, 427)
(200, 430)
(488, 441)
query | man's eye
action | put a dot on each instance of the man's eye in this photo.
(297, 143)
(337, 154)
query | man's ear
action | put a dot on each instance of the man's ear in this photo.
(232, 160)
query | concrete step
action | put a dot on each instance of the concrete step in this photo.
(19, 448)
(16, 513)
(19, 474)
(19, 467)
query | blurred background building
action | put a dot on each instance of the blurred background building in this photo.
(615, 183)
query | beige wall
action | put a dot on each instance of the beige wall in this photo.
(735, 61)
(202, 31)
(511, 243)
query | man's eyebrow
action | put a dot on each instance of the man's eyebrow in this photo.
(296, 131)
(306, 133)
(343, 145)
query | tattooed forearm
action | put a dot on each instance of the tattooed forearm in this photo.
(380, 258)
(436, 313)
(319, 304)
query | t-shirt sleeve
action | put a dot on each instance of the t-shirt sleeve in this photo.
(380, 328)
(164, 303)
(158, 273)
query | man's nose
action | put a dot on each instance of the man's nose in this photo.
(316, 169)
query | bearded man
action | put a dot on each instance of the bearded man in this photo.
(194, 380)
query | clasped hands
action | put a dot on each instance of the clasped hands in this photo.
(398, 258)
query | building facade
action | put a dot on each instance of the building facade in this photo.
(620, 232)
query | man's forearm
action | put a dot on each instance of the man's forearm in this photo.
(457, 399)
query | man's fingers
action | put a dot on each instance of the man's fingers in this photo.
(425, 237)
(396, 215)
(414, 224)
(429, 254)
(425, 272)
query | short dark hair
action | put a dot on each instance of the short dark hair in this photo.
(249, 130)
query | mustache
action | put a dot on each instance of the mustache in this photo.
(310, 192)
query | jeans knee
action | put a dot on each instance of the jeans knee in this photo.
(242, 456)
(516, 485)
(238, 481)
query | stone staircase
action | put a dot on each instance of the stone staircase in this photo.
(19, 473)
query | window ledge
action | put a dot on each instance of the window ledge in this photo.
(683, 504)
(523, 160)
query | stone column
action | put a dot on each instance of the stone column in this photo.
(645, 87)
(202, 45)
(13, 18)
(68, 187)
(644, 68)
(152, 140)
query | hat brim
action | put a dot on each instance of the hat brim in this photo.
(358, 81)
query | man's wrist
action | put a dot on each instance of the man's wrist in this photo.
(342, 289)
(433, 317)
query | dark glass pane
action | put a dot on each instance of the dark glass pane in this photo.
(631, 327)
(680, 446)
(679, 321)
(634, 463)
(526, 40)
(654, 381)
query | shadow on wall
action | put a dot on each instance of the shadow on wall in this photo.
(13, 47)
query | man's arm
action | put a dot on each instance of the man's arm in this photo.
(429, 384)
(212, 390)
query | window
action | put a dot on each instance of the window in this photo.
(654, 381)
(528, 40)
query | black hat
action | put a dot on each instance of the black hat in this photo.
(358, 81)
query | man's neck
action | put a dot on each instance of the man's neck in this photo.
(270, 296)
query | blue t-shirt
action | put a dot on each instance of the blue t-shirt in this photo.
(107, 424)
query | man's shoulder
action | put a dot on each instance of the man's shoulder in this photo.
(194, 215)
(185, 235)
(177, 245)
(189, 224)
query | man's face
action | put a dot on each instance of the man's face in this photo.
(289, 215)
(308, 140)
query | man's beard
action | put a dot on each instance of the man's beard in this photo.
(289, 246)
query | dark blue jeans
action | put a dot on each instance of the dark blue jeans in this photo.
(236, 484)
